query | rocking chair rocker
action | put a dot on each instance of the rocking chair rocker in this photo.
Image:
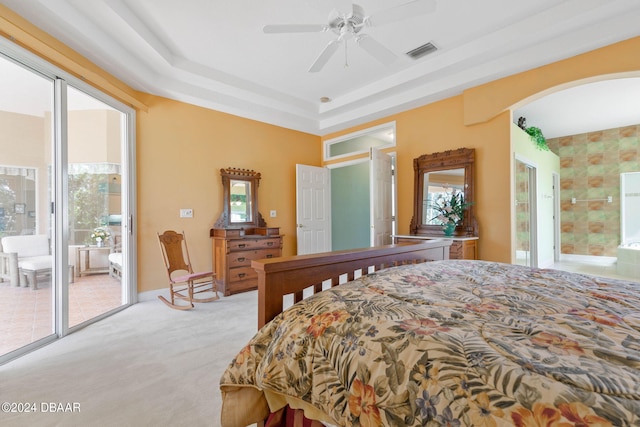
(185, 284)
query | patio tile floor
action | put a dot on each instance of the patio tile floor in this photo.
(26, 314)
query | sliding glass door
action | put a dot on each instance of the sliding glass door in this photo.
(94, 163)
(65, 204)
(27, 303)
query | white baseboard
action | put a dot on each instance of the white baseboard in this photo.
(151, 295)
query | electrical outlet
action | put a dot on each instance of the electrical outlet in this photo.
(272, 214)
(186, 213)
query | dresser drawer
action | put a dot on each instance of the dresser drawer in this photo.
(240, 274)
(245, 244)
(234, 249)
(244, 258)
(242, 286)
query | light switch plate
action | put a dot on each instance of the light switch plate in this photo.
(186, 213)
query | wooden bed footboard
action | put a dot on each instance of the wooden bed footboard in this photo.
(278, 277)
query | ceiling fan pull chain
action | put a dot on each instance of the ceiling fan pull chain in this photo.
(346, 62)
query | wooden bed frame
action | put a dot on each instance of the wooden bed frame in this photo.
(282, 276)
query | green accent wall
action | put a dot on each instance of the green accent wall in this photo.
(350, 226)
(547, 163)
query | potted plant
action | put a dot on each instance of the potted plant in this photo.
(100, 235)
(450, 207)
(535, 134)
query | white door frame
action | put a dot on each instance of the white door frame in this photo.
(556, 216)
(533, 207)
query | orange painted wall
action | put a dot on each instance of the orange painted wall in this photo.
(618, 60)
(480, 118)
(181, 149)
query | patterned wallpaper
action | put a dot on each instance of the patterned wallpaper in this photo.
(590, 167)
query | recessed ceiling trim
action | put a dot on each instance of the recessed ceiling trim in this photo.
(163, 48)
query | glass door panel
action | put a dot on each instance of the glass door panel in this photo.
(95, 133)
(26, 286)
(525, 214)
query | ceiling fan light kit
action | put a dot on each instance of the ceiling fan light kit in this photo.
(348, 26)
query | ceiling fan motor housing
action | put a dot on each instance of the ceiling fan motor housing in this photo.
(347, 24)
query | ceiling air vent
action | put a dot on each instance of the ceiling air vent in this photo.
(423, 50)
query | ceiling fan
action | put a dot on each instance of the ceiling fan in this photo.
(349, 26)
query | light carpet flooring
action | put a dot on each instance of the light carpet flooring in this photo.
(148, 365)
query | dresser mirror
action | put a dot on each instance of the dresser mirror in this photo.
(240, 199)
(434, 174)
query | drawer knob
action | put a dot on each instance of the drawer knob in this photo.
(242, 245)
(269, 243)
(269, 255)
(241, 259)
(241, 275)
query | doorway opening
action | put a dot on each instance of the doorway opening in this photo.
(526, 213)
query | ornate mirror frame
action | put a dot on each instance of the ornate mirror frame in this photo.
(252, 179)
(452, 159)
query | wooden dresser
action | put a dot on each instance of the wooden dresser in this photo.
(461, 247)
(233, 251)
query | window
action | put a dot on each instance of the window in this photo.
(382, 136)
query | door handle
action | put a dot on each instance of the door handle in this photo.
(299, 225)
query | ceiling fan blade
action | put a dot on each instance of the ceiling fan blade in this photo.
(357, 10)
(294, 28)
(324, 56)
(404, 11)
(375, 49)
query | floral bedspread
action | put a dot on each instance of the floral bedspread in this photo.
(454, 343)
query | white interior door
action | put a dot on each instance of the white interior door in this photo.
(381, 182)
(313, 209)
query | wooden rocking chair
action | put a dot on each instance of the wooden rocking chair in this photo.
(185, 284)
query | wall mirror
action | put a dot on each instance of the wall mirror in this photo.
(240, 199)
(434, 174)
